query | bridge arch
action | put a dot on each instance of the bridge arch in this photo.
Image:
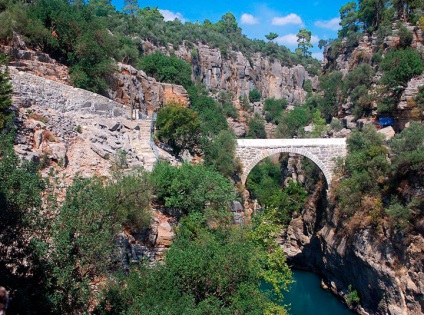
(323, 152)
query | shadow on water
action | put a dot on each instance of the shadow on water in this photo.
(306, 297)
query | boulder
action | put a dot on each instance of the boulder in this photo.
(388, 132)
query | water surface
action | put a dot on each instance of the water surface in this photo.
(308, 298)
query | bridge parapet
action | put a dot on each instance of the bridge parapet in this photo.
(323, 152)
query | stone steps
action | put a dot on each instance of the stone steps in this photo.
(141, 145)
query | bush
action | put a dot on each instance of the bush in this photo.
(319, 125)
(192, 188)
(273, 108)
(82, 236)
(290, 122)
(405, 37)
(366, 167)
(220, 153)
(168, 69)
(256, 128)
(5, 92)
(245, 105)
(179, 127)
(211, 114)
(217, 272)
(400, 66)
(254, 96)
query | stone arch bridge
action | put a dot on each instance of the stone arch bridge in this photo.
(323, 152)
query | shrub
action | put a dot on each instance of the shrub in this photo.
(273, 108)
(352, 296)
(220, 153)
(290, 122)
(179, 127)
(256, 128)
(254, 96)
(405, 37)
(167, 68)
(245, 105)
(5, 92)
(211, 113)
(192, 188)
(400, 66)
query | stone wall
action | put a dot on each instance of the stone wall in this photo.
(30, 89)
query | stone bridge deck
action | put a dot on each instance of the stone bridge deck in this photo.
(323, 152)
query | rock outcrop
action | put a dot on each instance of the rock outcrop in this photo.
(386, 272)
(133, 87)
(237, 74)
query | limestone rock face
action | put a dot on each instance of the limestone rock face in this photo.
(387, 275)
(367, 45)
(237, 74)
(129, 86)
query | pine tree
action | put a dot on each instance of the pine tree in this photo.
(131, 7)
(304, 42)
(5, 91)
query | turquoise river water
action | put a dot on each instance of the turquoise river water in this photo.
(306, 297)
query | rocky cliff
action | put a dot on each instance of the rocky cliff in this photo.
(346, 56)
(386, 271)
(237, 74)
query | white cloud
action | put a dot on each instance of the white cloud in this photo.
(292, 18)
(318, 55)
(288, 39)
(314, 39)
(171, 16)
(249, 19)
(332, 24)
(291, 39)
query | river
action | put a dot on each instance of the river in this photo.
(306, 297)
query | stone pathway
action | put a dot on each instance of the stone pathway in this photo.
(140, 143)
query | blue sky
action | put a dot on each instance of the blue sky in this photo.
(256, 18)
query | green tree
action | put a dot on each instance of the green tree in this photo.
(319, 125)
(400, 66)
(228, 24)
(322, 43)
(82, 247)
(348, 19)
(206, 272)
(168, 69)
(365, 169)
(254, 95)
(304, 42)
(211, 113)
(5, 91)
(220, 153)
(273, 108)
(331, 84)
(179, 127)
(256, 128)
(192, 188)
(371, 13)
(271, 36)
(130, 7)
(356, 85)
(21, 220)
(290, 122)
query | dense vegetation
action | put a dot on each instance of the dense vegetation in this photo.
(398, 64)
(92, 36)
(211, 267)
(381, 192)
